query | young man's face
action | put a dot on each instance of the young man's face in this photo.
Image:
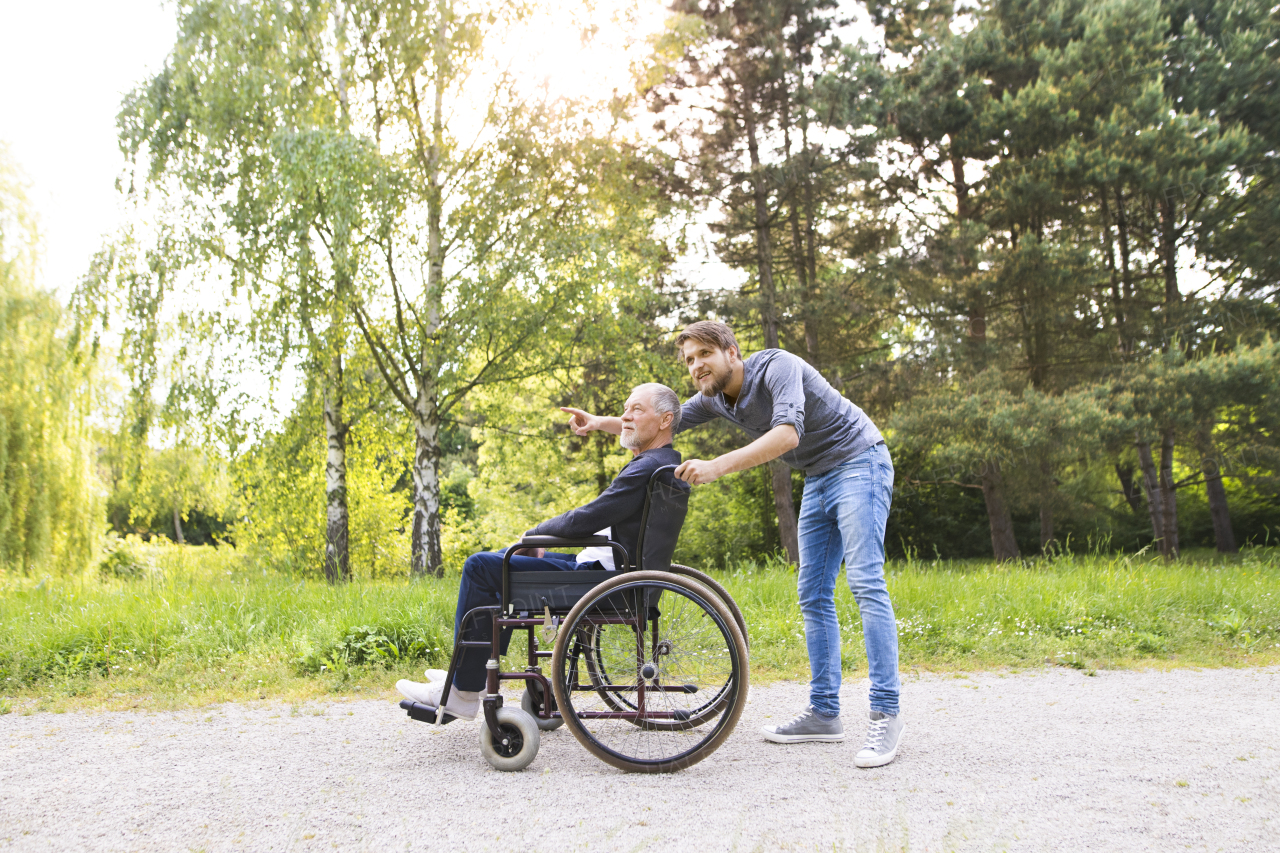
(710, 367)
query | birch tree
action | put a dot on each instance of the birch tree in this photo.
(379, 166)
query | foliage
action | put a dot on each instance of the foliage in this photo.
(123, 561)
(49, 501)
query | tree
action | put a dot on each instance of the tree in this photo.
(776, 159)
(374, 166)
(48, 512)
(247, 130)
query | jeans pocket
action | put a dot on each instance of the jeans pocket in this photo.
(856, 472)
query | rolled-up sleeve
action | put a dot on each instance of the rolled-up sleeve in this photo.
(784, 379)
(695, 411)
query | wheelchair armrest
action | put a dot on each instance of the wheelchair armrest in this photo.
(556, 541)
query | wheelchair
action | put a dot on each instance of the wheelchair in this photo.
(648, 666)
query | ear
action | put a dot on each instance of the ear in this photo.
(667, 418)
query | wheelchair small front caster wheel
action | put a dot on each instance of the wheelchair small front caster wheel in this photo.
(531, 701)
(518, 745)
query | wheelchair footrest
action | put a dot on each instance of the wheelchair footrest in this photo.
(423, 713)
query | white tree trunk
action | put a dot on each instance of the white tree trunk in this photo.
(427, 555)
(337, 560)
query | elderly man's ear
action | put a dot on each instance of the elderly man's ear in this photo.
(667, 418)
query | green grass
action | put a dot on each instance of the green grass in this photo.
(194, 626)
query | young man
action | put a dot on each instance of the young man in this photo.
(649, 416)
(792, 412)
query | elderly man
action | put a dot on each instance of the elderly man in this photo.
(650, 416)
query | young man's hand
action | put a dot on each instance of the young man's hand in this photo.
(697, 472)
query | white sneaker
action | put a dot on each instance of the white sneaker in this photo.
(462, 704)
(435, 675)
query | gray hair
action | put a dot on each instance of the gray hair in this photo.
(664, 400)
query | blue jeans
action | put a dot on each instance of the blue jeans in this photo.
(482, 587)
(842, 519)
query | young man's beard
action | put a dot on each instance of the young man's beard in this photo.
(718, 383)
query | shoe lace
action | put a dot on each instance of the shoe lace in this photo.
(875, 734)
(803, 715)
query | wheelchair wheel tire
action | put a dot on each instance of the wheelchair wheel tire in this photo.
(696, 645)
(714, 585)
(519, 745)
(531, 702)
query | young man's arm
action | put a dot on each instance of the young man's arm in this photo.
(767, 447)
(784, 380)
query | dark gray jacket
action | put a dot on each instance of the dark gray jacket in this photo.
(619, 506)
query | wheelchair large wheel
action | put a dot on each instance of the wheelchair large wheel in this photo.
(714, 585)
(608, 653)
(594, 643)
(667, 654)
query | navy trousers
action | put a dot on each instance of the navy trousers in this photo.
(482, 587)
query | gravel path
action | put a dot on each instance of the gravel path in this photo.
(1046, 760)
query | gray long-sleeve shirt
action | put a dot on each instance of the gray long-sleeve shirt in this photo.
(780, 388)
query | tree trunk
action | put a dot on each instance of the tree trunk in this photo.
(428, 556)
(1223, 534)
(337, 557)
(1168, 496)
(1047, 497)
(177, 526)
(1151, 485)
(1131, 493)
(1046, 527)
(788, 530)
(780, 471)
(1004, 545)
(427, 553)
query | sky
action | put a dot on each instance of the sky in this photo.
(64, 68)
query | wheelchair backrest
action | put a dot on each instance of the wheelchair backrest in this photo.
(665, 507)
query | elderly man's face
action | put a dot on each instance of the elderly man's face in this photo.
(641, 423)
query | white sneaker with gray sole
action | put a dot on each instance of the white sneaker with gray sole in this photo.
(808, 726)
(462, 704)
(884, 736)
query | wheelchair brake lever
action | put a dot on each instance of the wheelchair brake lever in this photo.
(550, 624)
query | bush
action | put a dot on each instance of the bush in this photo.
(123, 563)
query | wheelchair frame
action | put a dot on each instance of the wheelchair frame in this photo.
(640, 616)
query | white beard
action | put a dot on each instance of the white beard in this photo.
(629, 439)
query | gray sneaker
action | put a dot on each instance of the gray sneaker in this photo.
(809, 726)
(884, 735)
